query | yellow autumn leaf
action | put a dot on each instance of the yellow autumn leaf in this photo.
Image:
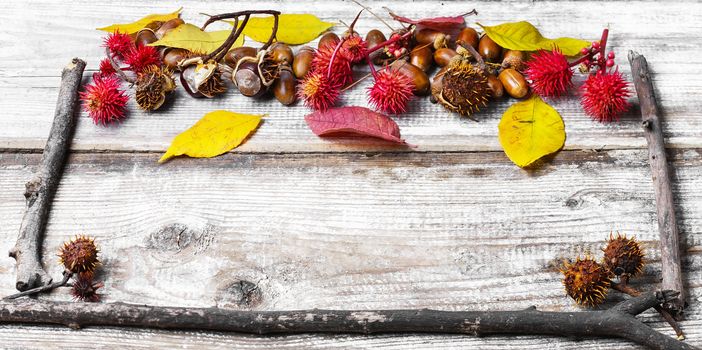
(523, 36)
(530, 130)
(293, 29)
(134, 27)
(216, 133)
(190, 37)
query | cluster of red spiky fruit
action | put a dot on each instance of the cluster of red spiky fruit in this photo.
(79, 256)
(605, 93)
(332, 71)
(104, 100)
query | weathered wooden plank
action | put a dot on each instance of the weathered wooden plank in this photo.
(265, 231)
(32, 60)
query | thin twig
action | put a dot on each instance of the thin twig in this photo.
(116, 67)
(618, 322)
(671, 270)
(40, 189)
(374, 15)
(66, 276)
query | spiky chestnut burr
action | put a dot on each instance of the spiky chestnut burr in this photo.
(104, 100)
(152, 86)
(119, 44)
(550, 73)
(605, 95)
(141, 57)
(623, 256)
(79, 254)
(106, 67)
(586, 281)
(318, 92)
(84, 288)
(463, 89)
(340, 72)
(391, 91)
(354, 48)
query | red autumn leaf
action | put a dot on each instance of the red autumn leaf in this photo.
(442, 24)
(354, 120)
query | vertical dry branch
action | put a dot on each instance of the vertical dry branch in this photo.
(665, 207)
(41, 188)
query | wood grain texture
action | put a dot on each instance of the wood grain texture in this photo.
(447, 231)
(31, 34)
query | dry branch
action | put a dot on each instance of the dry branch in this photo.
(618, 322)
(41, 188)
(665, 207)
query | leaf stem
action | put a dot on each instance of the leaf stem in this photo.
(390, 41)
(333, 56)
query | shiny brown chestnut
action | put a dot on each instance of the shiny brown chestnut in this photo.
(173, 56)
(496, 87)
(468, 36)
(168, 26)
(443, 56)
(419, 78)
(281, 53)
(422, 57)
(514, 83)
(375, 37)
(145, 36)
(489, 49)
(234, 55)
(303, 61)
(329, 38)
(284, 86)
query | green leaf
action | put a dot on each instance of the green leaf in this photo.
(523, 36)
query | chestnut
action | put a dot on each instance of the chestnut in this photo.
(168, 26)
(443, 56)
(468, 36)
(248, 81)
(329, 38)
(145, 36)
(234, 55)
(496, 87)
(489, 49)
(422, 58)
(173, 56)
(281, 53)
(419, 78)
(514, 83)
(303, 61)
(284, 86)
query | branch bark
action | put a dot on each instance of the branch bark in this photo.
(665, 207)
(616, 322)
(41, 188)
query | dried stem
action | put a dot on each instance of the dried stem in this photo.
(625, 288)
(219, 52)
(66, 276)
(117, 68)
(390, 41)
(665, 206)
(40, 189)
(374, 15)
(618, 322)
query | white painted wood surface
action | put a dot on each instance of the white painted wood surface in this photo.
(300, 222)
